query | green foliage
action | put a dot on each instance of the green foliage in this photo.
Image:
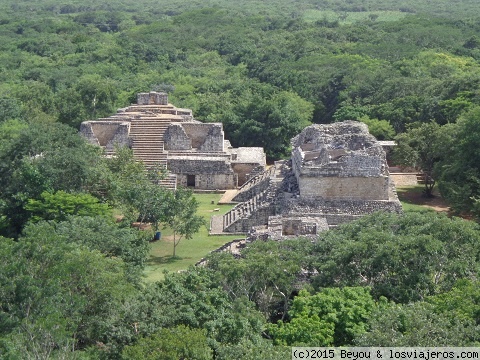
(331, 317)
(462, 302)
(42, 158)
(97, 95)
(102, 234)
(193, 299)
(188, 252)
(133, 189)
(266, 273)
(381, 129)
(459, 177)
(170, 344)
(402, 257)
(60, 205)
(265, 72)
(9, 109)
(181, 215)
(57, 297)
(252, 351)
(422, 148)
(417, 324)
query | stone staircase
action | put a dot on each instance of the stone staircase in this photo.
(255, 185)
(147, 144)
(252, 212)
(237, 219)
(257, 199)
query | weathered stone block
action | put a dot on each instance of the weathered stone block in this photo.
(349, 188)
(176, 138)
(152, 98)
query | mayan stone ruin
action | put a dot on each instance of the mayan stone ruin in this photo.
(337, 173)
(195, 154)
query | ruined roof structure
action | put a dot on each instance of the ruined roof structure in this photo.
(194, 153)
(337, 173)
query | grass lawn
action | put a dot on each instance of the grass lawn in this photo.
(188, 251)
(191, 251)
(412, 199)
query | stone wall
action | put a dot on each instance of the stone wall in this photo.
(107, 134)
(337, 173)
(255, 186)
(244, 225)
(318, 207)
(120, 138)
(209, 173)
(352, 135)
(175, 138)
(152, 98)
(205, 137)
(404, 179)
(194, 135)
(347, 188)
(214, 139)
(303, 225)
(349, 165)
(209, 181)
(87, 132)
(185, 164)
(297, 161)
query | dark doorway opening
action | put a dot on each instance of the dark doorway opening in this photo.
(191, 180)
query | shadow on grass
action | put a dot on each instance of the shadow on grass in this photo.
(160, 260)
(412, 198)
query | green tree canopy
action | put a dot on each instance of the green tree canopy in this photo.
(39, 158)
(175, 343)
(266, 273)
(459, 172)
(102, 234)
(402, 257)
(60, 205)
(422, 148)
(417, 324)
(332, 316)
(57, 297)
(180, 214)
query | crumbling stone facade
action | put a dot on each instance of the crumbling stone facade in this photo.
(194, 153)
(152, 98)
(340, 162)
(107, 134)
(337, 173)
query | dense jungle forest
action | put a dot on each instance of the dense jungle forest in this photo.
(71, 274)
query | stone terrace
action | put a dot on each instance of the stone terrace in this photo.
(194, 153)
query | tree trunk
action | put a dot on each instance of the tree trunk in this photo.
(174, 243)
(429, 184)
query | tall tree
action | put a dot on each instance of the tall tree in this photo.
(267, 273)
(180, 215)
(417, 324)
(460, 171)
(422, 148)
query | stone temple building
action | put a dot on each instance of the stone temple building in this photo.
(337, 173)
(195, 154)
